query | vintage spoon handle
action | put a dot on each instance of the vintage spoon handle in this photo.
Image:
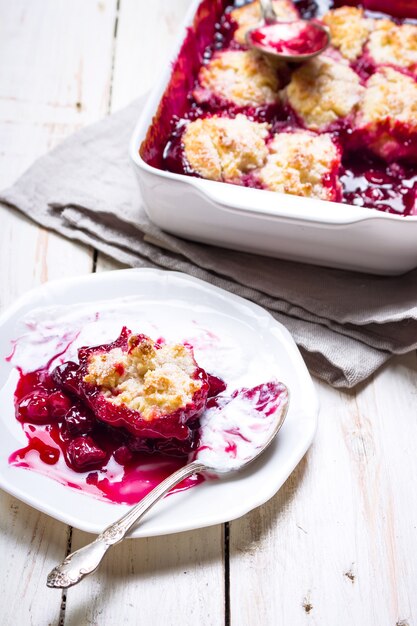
(268, 12)
(86, 560)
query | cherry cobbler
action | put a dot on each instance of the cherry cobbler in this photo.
(341, 126)
(153, 390)
(122, 416)
(132, 395)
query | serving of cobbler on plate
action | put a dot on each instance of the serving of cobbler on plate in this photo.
(114, 418)
(341, 126)
(123, 402)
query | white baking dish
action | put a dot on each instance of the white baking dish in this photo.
(265, 222)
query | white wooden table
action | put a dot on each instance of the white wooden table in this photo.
(338, 544)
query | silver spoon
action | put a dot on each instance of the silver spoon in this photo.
(285, 31)
(86, 560)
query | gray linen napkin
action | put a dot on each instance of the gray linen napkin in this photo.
(346, 324)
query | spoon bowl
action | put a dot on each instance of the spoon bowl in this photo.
(261, 411)
(292, 41)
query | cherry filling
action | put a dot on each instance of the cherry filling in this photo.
(369, 183)
(366, 181)
(397, 8)
(216, 386)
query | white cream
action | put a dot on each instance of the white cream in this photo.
(235, 431)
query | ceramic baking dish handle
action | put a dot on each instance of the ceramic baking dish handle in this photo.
(283, 206)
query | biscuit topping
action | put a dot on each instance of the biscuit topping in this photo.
(349, 30)
(390, 96)
(394, 44)
(323, 91)
(243, 77)
(221, 148)
(148, 379)
(303, 164)
(388, 106)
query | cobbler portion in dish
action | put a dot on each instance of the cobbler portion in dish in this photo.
(132, 395)
(153, 390)
(386, 119)
(221, 148)
(303, 164)
(339, 127)
(393, 44)
(241, 77)
(323, 91)
(122, 416)
(349, 30)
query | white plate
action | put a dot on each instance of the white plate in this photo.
(253, 348)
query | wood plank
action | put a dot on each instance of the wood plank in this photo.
(145, 36)
(30, 255)
(338, 544)
(159, 579)
(54, 78)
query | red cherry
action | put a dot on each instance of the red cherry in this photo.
(216, 385)
(34, 408)
(66, 376)
(84, 454)
(79, 420)
(123, 455)
(58, 404)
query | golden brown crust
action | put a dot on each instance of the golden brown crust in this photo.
(390, 96)
(322, 91)
(298, 164)
(349, 30)
(393, 44)
(244, 77)
(220, 148)
(145, 379)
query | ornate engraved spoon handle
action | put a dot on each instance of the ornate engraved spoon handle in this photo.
(86, 560)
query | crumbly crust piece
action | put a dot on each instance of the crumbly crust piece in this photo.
(393, 44)
(349, 30)
(323, 91)
(145, 379)
(244, 77)
(221, 148)
(302, 164)
(390, 96)
(249, 16)
(387, 117)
